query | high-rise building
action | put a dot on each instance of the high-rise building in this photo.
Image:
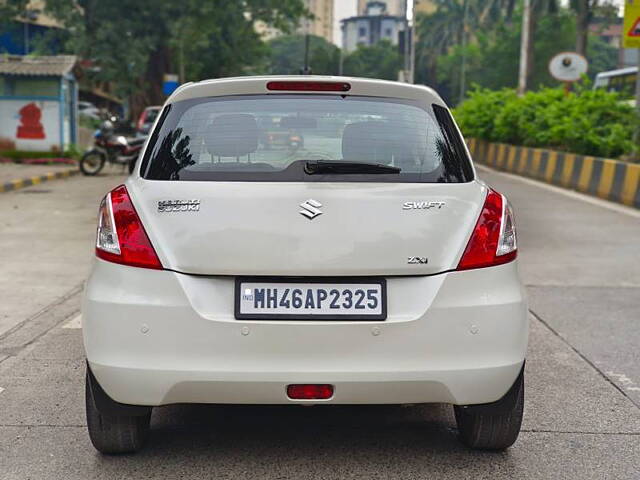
(396, 8)
(399, 7)
(321, 25)
(424, 6)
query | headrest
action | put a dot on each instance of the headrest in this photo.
(368, 142)
(232, 135)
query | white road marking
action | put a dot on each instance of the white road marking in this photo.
(616, 207)
(1, 389)
(75, 322)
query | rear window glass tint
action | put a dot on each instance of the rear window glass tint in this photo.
(271, 137)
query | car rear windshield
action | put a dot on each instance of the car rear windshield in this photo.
(277, 137)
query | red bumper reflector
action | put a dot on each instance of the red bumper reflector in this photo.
(310, 392)
(309, 86)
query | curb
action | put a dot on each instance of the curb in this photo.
(27, 182)
(605, 178)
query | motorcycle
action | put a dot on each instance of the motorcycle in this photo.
(111, 148)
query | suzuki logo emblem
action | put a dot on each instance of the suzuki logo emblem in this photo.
(311, 209)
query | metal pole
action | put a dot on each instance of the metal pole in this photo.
(412, 44)
(306, 70)
(406, 52)
(524, 48)
(637, 132)
(181, 59)
(26, 37)
(463, 68)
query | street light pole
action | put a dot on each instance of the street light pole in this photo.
(412, 45)
(636, 136)
(26, 37)
(405, 53)
(306, 70)
(29, 15)
(409, 52)
(181, 60)
(463, 67)
(524, 48)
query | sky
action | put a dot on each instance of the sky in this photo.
(342, 9)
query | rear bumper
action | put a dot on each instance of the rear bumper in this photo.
(139, 386)
(158, 337)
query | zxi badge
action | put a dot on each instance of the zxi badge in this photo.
(311, 209)
(417, 260)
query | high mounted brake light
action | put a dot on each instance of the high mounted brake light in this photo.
(302, 86)
(493, 241)
(121, 237)
(310, 391)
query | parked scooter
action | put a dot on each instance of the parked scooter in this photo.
(112, 148)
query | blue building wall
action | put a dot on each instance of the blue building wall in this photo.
(21, 39)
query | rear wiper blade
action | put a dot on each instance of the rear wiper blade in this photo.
(313, 167)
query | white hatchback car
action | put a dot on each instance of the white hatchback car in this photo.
(304, 240)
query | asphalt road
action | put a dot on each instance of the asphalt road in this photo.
(578, 259)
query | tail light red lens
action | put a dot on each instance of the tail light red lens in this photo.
(298, 86)
(121, 237)
(493, 241)
(310, 391)
(141, 120)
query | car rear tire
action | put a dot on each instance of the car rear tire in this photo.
(113, 433)
(493, 426)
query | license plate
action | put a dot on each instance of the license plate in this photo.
(273, 299)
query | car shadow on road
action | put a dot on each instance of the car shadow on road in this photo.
(322, 441)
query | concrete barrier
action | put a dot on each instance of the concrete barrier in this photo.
(602, 177)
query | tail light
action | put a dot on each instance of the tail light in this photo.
(306, 86)
(121, 237)
(141, 120)
(493, 241)
(310, 391)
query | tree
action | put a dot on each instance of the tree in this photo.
(445, 28)
(586, 11)
(286, 55)
(601, 56)
(133, 44)
(495, 10)
(492, 55)
(583, 11)
(381, 60)
(10, 9)
(539, 9)
(437, 33)
(491, 50)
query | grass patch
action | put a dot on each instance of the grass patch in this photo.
(18, 156)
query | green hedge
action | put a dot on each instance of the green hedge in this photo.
(589, 122)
